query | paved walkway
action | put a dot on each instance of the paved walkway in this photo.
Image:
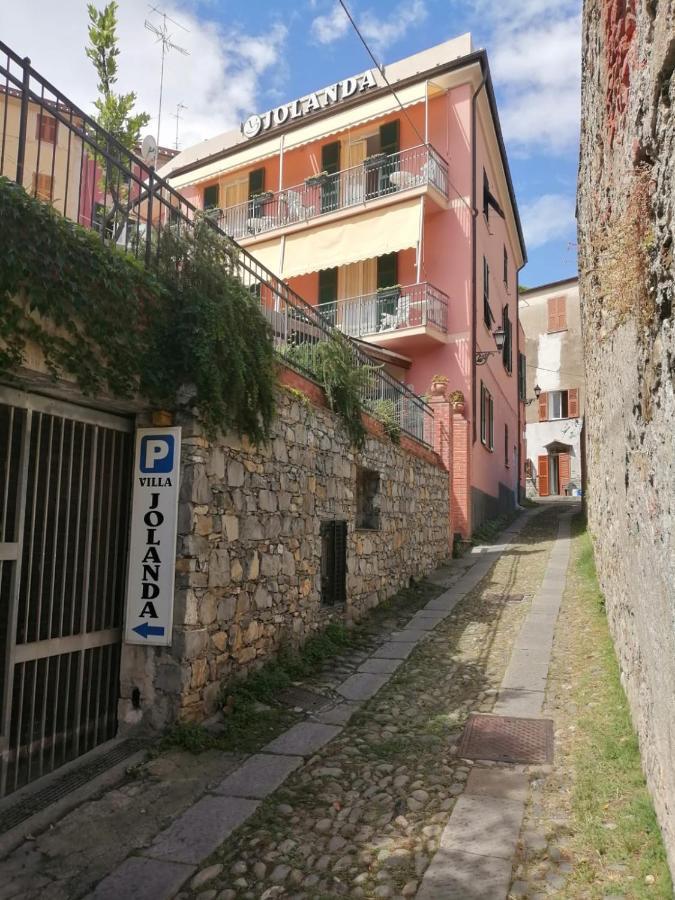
(367, 797)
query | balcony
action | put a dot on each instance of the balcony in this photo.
(417, 313)
(377, 177)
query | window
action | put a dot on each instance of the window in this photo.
(487, 433)
(488, 318)
(210, 197)
(506, 269)
(389, 137)
(489, 199)
(522, 376)
(559, 404)
(328, 287)
(43, 186)
(557, 313)
(367, 498)
(507, 350)
(333, 562)
(330, 163)
(506, 446)
(46, 128)
(256, 182)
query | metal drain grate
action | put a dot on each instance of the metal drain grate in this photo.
(308, 701)
(507, 739)
(25, 807)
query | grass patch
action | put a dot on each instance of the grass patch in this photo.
(617, 838)
(488, 531)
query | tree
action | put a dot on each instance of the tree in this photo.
(115, 111)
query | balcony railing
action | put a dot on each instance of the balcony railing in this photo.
(389, 310)
(379, 176)
(88, 176)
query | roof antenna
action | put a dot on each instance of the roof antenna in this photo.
(177, 116)
(162, 35)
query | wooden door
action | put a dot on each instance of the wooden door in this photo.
(542, 471)
(564, 471)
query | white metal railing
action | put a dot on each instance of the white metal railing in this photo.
(378, 176)
(389, 309)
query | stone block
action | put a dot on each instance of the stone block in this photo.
(201, 829)
(394, 650)
(362, 685)
(303, 739)
(226, 608)
(497, 782)
(231, 525)
(208, 606)
(190, 644)
(456, 875)
(139, 878)
(484, 826)
(215, 463)
(380, 666)
(219, 568)
(235, 474)
(253, 565)
(259, 776)
(262, 598)
(251, 529)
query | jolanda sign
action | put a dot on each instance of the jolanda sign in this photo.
(334, 93)
(152, 552)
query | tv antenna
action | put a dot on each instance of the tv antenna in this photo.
(163, 37)
(177, 116)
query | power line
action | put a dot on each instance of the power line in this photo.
(381, 70)
(554, 371)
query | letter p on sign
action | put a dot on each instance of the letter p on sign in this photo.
(157, 454)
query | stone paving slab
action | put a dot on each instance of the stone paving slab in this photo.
(139, 878)
(427, 616)
(201, 829)
(512, 702)
(525, 675)
(338, 715)
(497, 782)
(302, 739)
(395, 650)
(454, 875)
(484, 826)
(413, 633)
(380, 666)
(362, 685)
(259, 776)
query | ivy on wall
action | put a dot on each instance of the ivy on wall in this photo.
(101, 317)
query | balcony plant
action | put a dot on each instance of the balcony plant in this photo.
(316, 180)
(374, 161)
(457, 401)
(439, 385)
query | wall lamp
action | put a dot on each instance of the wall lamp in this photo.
(482, 355)
(537, 391)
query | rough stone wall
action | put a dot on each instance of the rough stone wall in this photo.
(249, 553)
(626, 213)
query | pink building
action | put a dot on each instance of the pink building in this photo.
(387, 201)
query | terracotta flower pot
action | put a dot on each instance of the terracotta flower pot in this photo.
(439, 388)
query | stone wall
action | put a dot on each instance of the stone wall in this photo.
(249, 554)
(626, 209)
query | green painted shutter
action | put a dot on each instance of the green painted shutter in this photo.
(211, 196)
(387, 270)
(328, 279)
(256, 182)
(330, 157)
(390, 137)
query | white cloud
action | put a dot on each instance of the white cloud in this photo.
(380, 31)
(548, 218)
(331, 26)
(535, 55)
(220, 81)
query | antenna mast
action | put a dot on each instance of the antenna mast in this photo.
(163, 37)
(177, 116)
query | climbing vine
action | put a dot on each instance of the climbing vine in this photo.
(101, 317)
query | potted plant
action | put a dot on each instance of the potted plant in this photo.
(374, 161)
(439, 385)
(317, 180)
(457, 400)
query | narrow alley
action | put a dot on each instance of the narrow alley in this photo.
(375, 791)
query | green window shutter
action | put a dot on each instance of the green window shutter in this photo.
(211, 196)
(387, 270)
(330, 157)
(256, 182)
(328, 285)
(390, 137)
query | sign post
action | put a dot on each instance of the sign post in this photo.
(152, 549)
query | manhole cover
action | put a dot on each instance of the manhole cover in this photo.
(505, 598)
(507, 739)
(303, 699)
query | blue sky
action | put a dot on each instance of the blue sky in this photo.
(248, 55)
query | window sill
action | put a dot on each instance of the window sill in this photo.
(558, 331)
(358, 528)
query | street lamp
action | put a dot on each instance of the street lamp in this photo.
(482, 355)
(537, 391)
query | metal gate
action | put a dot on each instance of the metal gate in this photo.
(64, 503)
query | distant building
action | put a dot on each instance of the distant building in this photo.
(396, 216)
(554, 387)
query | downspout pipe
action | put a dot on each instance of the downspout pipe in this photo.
(474, 216)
